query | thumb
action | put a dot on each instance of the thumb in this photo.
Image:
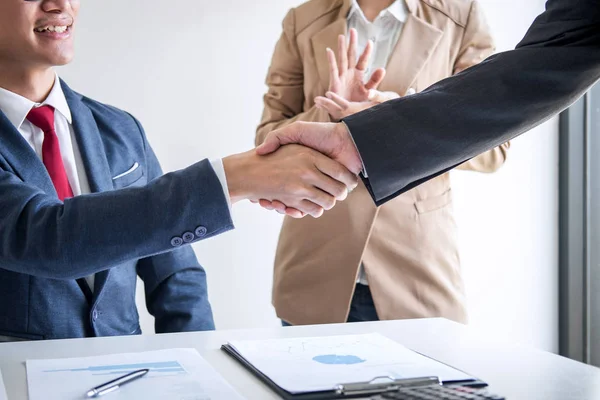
(279, 137)
(270, 144)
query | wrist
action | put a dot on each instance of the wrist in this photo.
(342, 132)
(234, 167)
(351, 159)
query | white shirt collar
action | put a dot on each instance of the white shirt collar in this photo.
(16, 107)
(397, 10)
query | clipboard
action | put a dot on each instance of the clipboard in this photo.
(378, 385)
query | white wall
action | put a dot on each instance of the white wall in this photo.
(509, 220)
(171, 63)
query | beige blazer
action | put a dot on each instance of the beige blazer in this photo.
(409, 245)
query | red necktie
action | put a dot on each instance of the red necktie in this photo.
(43, 118)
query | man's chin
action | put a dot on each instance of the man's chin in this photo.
(58, 61)
(63, 62)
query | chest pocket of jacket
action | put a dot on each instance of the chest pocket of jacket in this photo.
(129, 177)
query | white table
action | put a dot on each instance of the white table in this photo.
(515, 372)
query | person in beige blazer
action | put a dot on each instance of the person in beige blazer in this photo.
(359, 262)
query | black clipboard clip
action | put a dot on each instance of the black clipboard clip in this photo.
(389, 385)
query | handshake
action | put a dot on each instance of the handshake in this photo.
(306, 167)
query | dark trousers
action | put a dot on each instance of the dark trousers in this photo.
(362, 308)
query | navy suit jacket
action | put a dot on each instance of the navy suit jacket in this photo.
(138, 224)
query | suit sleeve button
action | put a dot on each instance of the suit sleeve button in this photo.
(188, 237)
(176, 241)
(201, 231)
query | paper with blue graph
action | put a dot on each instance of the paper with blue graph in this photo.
(301, 365)
(174, 374)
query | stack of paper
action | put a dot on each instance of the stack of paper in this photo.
(301, 365)
(174, 374)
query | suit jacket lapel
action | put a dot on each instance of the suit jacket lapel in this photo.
(94, 158)
(22, 158)
(328, 37)
(418, 39)
(90, 142)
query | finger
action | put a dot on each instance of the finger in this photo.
(266, 204)
(272, 205)
(334, 73)
(363, 61)
(328, 105)
(308, 207)
(294, 213)
(339, 174)
(375, 79)
(341, 102)
(333, 189)
(342, 54)
(319, 194)
(352, 48)
(279, 206)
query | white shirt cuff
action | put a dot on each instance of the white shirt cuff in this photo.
(364, 169)
(217, 165)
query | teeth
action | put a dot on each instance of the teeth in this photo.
(57, 29)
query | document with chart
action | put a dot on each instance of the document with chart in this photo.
(174, 374)
(301, 365)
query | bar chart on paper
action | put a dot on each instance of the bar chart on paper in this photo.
(156, 368)
(175, 373)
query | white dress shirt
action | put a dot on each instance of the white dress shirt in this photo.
(16, 108)
(384, 32)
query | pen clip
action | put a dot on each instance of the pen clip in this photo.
(371, 387)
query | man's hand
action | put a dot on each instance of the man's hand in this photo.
(303, 179)
(347, 80)
(339, 108)
(330, 139)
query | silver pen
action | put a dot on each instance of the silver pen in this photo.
(116, 383)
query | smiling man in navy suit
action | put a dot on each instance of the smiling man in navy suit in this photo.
(85, 209)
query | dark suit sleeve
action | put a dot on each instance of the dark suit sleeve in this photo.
(41, 236)
(174, 282)
(408, 141)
